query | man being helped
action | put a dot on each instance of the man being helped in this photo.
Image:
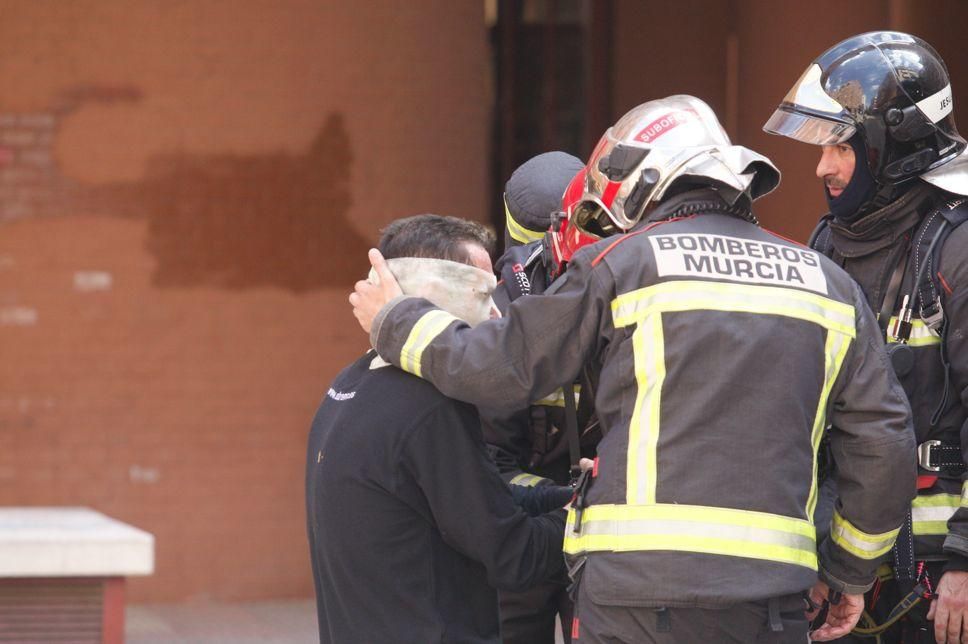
(723, 350)
(409, 522)
(894, 169)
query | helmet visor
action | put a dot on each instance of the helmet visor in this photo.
(808, 129)
(592, 218)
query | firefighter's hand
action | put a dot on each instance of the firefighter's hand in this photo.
(950, 610)
(841, 618)
(368, 298)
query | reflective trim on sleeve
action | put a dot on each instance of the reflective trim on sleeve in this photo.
(687, 295)
(690, 528)
(921, 334)
(930, 512)
(517, 231)
(428, 327)
(964, 494)
(527, 480)
(648, 346)
(557, 398)
(859, 543)
(835, 350)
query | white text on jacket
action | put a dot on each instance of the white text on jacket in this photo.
(735, 259)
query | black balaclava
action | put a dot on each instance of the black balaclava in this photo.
(860, 190)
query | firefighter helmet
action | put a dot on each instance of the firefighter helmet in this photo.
(655, 146)
(566, 238)
(890, 88)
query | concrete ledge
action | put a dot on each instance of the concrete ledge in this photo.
(71, 542)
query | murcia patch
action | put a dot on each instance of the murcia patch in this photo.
(741, 260)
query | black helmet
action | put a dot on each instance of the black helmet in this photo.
(532, 196)
(890, 88)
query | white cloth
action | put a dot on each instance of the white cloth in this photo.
(460, 289)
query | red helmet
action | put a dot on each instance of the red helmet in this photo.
(566, 239)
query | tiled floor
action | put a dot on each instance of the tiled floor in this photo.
(222, 623)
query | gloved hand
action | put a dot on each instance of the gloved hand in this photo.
(541, 498)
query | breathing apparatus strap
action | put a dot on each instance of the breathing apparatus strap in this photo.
(893, 290)
(571, 432)
(903, 607)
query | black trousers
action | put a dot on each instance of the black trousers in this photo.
(747, 623)
(528, 617)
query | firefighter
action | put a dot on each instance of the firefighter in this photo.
(542, 444)
(894, 172)
(722, 352)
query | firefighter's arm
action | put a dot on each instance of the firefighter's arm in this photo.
(873, 445)
(956, 543)
(950, 610)
(505, 363)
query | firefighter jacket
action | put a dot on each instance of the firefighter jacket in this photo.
(530, 446)
(724, 351)
(869, 250)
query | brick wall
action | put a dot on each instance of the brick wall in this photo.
(186, 193)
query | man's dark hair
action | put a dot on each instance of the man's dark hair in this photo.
(434, 237)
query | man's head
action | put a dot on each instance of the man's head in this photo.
(881, 102)
(444, 259)
(439, 237)
(659, 146)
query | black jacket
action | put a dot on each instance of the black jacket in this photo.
(409, 524)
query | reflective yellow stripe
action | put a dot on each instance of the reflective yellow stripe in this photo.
(517, 231)
(527, 480)
(921, 334)
(930, 513)
(834, 351)
(643, 307)
(557, 399)
(686, 295)
(964, 494)
(690, 528)
(428, 327)
(859, 543)
(648, 347)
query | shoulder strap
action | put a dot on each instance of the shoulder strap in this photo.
(515, 269)
(926, 248)
(820, 239)
(571, 432)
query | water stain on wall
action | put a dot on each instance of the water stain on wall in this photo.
(231, 221)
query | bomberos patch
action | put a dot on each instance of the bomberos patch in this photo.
(742, 260)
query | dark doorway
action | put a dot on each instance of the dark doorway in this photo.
(551, 80)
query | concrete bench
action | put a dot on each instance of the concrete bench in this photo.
(62, 573)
